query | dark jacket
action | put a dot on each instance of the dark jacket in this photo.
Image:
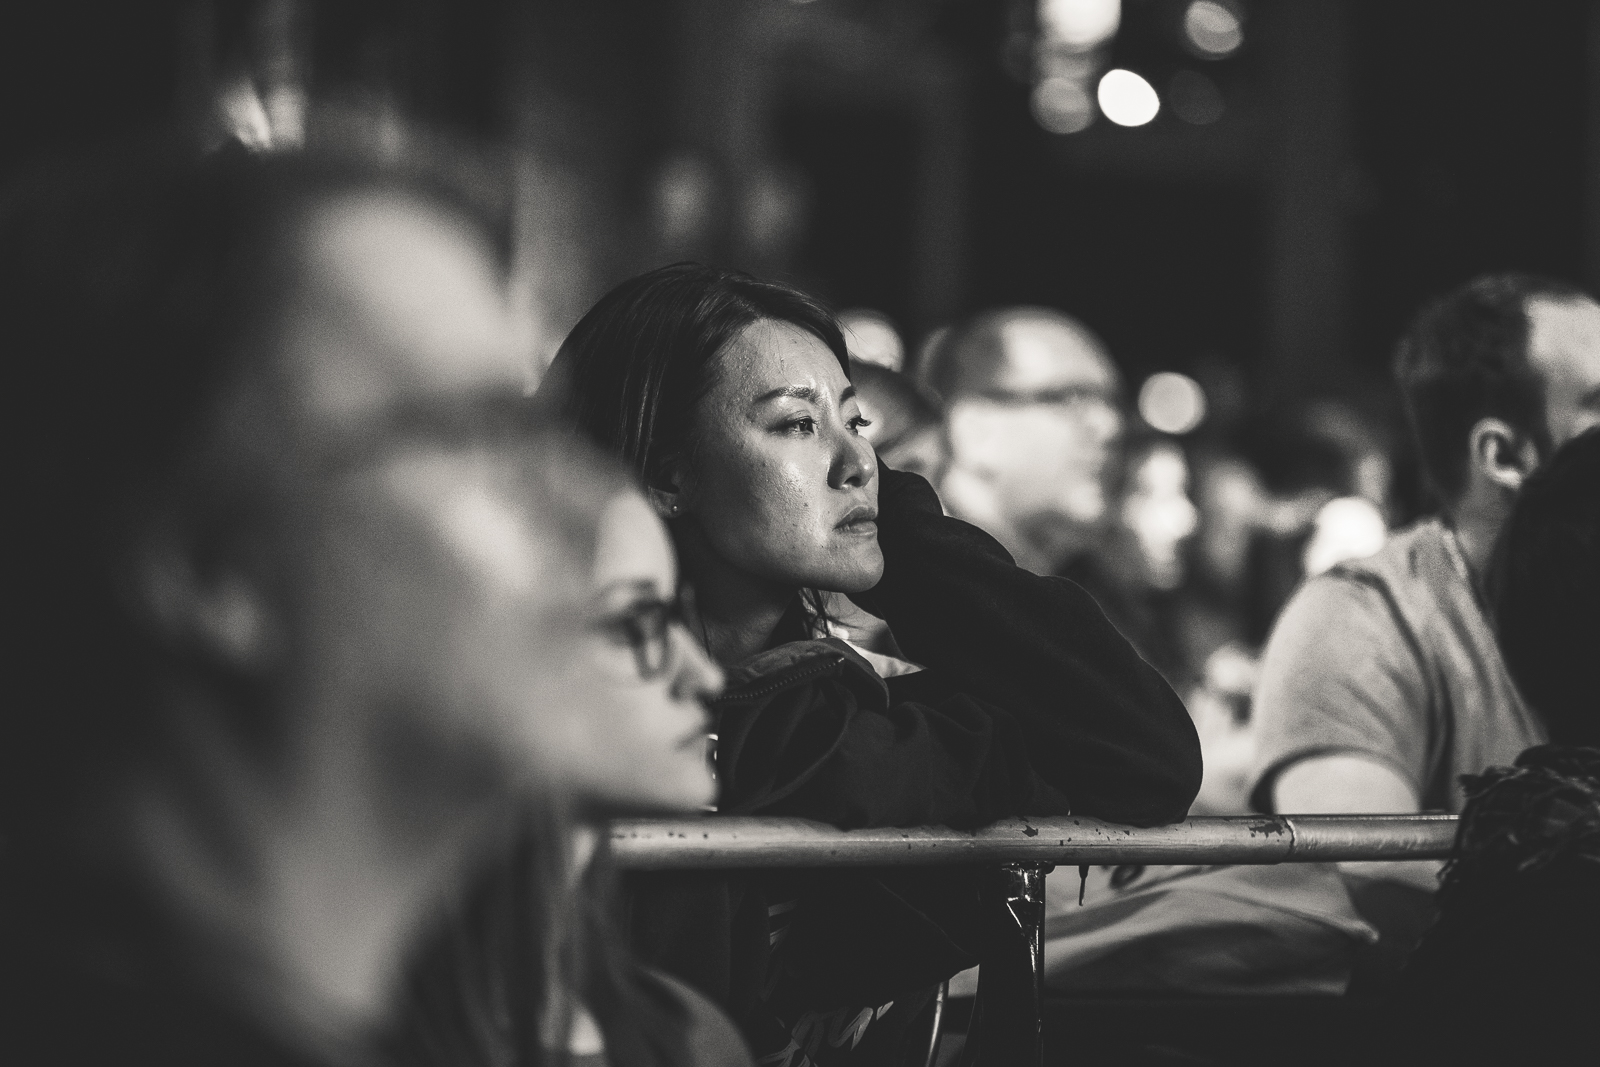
(1031, 704)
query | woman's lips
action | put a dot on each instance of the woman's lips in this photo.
(859, 520)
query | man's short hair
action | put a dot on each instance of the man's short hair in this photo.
(1465, 358)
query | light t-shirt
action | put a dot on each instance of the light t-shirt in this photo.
(1391, 657)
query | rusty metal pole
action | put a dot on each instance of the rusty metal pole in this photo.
(1007, 1027)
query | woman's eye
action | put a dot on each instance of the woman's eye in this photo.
(859, 423)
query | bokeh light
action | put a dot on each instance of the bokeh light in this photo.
(1062, 105)
(1195, 98)
(1160, 514)
(1127, 99)
(1172, 403)
(1080, 24)
(872, 338)
(1346, 528)
(1213, 29)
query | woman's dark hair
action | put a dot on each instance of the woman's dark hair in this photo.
(1544, 586)
(1464, 358)
(634, 369)
(637, 365)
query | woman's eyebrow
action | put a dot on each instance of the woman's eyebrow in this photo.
(797, 392)
(803, 392)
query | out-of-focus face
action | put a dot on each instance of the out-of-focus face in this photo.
(431, 600)
(438, 614)
(782, 484)
(1564, 344)
(642, 744)
(1040, 426)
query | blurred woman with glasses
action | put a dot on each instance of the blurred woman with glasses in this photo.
(731, 400)
(635, 743)
(317, 614)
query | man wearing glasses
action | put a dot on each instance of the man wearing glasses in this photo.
(1031, 407)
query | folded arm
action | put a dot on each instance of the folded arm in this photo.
(1100, 726)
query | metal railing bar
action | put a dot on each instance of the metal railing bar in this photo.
(726, 841)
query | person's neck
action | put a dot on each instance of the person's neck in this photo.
(736, 613)
(293, 896)
(1477, 520)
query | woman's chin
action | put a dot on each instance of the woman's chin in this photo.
(855, 572)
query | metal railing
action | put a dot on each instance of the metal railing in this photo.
(1005, 1029)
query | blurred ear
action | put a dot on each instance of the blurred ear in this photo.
(216, 612)
(1500, 454)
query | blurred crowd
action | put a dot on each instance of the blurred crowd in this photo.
(1189, 514)
(350, 624)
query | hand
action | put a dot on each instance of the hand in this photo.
(901, 493)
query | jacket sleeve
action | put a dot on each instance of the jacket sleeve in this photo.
(820, 738)
(1096, 722)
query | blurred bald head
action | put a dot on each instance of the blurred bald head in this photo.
(1023, 352)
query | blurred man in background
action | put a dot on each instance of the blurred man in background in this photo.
(1032, 412)
(1039, 459)
(1382, 682)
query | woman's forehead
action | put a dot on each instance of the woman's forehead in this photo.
(769, 356)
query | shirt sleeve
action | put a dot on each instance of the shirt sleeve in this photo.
(1340, 675)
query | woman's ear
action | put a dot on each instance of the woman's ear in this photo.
(1500, 454)
(665, 491)
(665, 503)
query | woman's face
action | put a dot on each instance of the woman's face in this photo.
(640, 743)
(782, 484)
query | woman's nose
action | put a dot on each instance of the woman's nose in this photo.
(696, 676)
(854, 464)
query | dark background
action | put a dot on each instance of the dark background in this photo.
(1373, 153)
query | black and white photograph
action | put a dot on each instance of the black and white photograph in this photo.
(801, 533)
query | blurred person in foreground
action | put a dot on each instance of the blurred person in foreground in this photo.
(1544, 588)
(1509, 968)
(1507, 974)
(1382, 683)
(313, 622)
(732, 399)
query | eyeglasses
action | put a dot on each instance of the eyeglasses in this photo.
(646, 627)
(1067, 396)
